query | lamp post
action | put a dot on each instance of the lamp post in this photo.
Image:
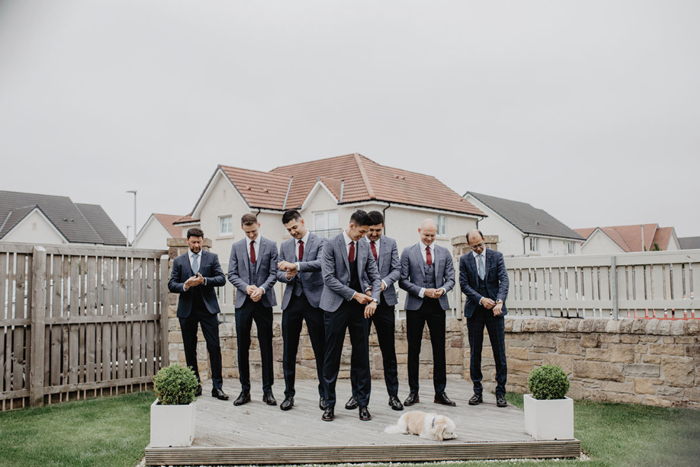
(135, 224)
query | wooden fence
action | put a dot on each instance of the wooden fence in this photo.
(633, 285)
(76, 321)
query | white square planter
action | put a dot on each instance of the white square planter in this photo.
(549, 419)
(172, 425)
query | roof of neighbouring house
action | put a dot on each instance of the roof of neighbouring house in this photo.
(629, 237)
(527, 218)
(689, 243)
(168, 221)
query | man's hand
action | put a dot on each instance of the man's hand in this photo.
(431, 293)
(497, 310)
(383, 286)
(362, 298)
(488, 303)
(287, 266)
(194, 281)
(439, 292)
(369, 292)
(370, 309)
(250, 289)
(257, 294)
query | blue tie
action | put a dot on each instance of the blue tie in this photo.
(480, 263)
(195, 264)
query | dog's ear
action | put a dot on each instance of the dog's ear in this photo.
(438, 430)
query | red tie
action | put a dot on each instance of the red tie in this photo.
(301, 250)
(252, 252)
(374, 250)
(351, 253)
(428, 256)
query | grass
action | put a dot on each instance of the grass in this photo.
(109, 431)
(114, 431)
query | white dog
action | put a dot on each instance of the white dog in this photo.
(426, 425)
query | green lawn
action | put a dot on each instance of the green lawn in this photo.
(113, 431)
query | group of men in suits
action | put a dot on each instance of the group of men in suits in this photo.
(338, 285)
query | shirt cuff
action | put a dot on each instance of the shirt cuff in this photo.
(384, 284)
(205, 281)
(444, 290)
(297, 265)
(421, 294)
(263, 289)
(185, 288)
(481, 300)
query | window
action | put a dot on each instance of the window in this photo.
(550, 245)
(225, 225)
(326, 224)
(534, 244)
(441, 225)
(571, 248)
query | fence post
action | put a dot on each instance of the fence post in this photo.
(38, 319)
(613, 285)
(164, 310)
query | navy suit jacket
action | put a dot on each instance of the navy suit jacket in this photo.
(309, 269)
(412, 274)
(389, 269)
(336, 271)
(210, 269)
(496, 279)
(264, 273)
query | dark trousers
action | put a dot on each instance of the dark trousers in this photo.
(384, 320)
(210, 329)
(262, 315)
(432, 314)
(495, 325)
(299, 310)
(349, 316)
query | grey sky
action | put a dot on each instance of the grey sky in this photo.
(589, 110)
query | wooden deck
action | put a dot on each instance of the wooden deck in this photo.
(260, 434)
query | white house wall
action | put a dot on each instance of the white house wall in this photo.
(599, 243)
(35, 228)
(152, 236)
(510, 239)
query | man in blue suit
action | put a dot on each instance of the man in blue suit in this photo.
(484, 280)
(386, 254)
(194, 276)
(345, 260)
(252, 269)
(427, 274)
(300, 268)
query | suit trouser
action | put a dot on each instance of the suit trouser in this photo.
(210, 328)
(350, 316)
(432, 314)
(262, 315)
(384, 322)
(299, 310)
(495, 325)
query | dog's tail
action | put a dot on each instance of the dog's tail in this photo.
(393, 429)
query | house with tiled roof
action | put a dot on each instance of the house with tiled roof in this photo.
(327, 191)
(524, 230)
(689, 243)
(157, 230)
(628, 238)
(54, 220)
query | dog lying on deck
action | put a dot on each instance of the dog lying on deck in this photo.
(426, 425)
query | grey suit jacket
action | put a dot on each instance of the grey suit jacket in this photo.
(336, 271)
(240, 275)
(389, 267)
(309, 269)
(495, 277)
(412, 274)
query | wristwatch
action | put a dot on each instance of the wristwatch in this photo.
(499, 301)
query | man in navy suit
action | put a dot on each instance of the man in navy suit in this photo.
(386, 254)
(484, 280)
(344, 261)
(252, 269)
(300, 268)
(194, 276)
(427, 274)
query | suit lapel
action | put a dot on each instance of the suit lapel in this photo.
(244, 258)
(418, 257)
(344, 250)
(436, 263)
(261, 252)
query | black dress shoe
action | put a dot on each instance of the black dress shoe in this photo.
(243, 398)
(269, 399)
(411, 399)
(352, 403)
(322, 403)
(476, 399)
(198, 392)
(219, 394)
(395, 403)
(364, 413)
(287, 403)
(328, 415)
(444, 400)
(501, 400)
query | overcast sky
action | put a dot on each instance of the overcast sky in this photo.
(589, 110)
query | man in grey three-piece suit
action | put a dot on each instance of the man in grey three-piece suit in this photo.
(300, 268)
(427, 274)
(345, 259)
(252, 269)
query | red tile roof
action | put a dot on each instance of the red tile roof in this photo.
(629, 237)
(167, 220)
(259, 189)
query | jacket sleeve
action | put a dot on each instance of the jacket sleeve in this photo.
(504, 283)
(281, 275)
(395, 269)
(234, 276)
(315, 265)
(471, 294)
(404, 281)
(272, 273)
(218, 279)
(329, 278)
(449, 273)
(176, 282)
(373, 274)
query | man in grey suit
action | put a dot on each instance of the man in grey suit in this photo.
(252, 269)
(300, 268)
(345, 259)
(427, 274)
(386, 254)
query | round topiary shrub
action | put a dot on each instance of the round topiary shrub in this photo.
(175, 385)
(548, 382)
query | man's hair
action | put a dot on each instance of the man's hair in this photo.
(482, 235)
(376, 218)
(249, 219)
(195, 232)
(360, 217)
(290, 215)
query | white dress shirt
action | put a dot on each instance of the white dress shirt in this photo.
(421, 294)
(191, 256)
